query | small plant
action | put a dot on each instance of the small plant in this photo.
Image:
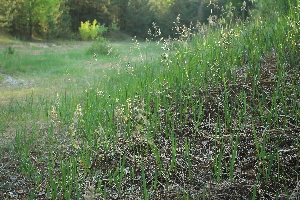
(114, 26)
(101, 47)
(9, 51)
(8, 56)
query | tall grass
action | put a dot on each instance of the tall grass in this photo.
(214, 117)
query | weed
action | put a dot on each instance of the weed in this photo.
(9, 50)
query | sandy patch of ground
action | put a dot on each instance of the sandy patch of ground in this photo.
(9, 82)
(14, 88)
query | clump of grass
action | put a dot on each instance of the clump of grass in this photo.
(9, 50)
(101, 47)
(8, 55)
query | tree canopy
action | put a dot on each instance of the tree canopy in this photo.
(50, 19)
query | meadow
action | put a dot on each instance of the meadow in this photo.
(213, 116)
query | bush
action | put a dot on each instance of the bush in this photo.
(101, 47)
(114, 26)
(91, 31)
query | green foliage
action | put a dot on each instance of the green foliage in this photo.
(7, 13)
(9, 50)
(101, 47)
(7, 57)
(90, 31)
(102, 29)
(49, 19)
(40, 18)
(221, 111)
(138, 18)
(114, 26)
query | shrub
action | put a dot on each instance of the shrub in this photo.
(102, 29)
(91, 31)
(84, 30)
(114, 26)
(101, 47)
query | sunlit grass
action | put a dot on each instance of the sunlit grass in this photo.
(215, 113)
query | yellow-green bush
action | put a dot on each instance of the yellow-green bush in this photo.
(90, 31)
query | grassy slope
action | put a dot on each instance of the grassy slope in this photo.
(37, 72)
(220, 119)
(5, 37)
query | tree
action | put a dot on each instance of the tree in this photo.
(22, 23)
(7, 12)
(47, 15)
(138, 18)
(63, 27)
(187, 9)
(162, 16)
(36, 16)
(121, 8)
(84, 10)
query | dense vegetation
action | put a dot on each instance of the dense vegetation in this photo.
(50, 19)
(215, 116)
